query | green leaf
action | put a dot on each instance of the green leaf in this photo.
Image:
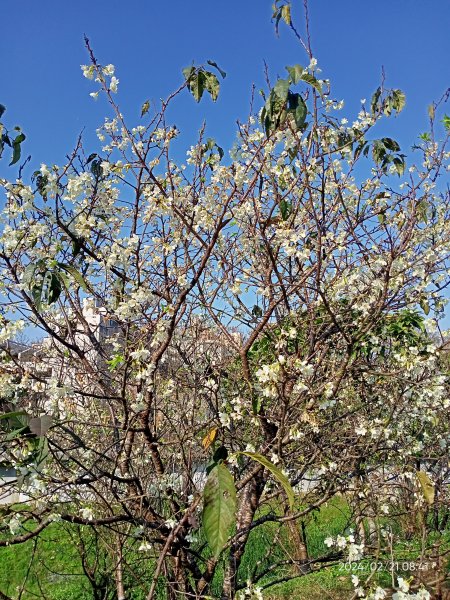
(399, 163)
(378, 151)
(216, 66)
(398, 100)
(279, 476)
(36, 294)
(374, 102)
(219, 507)
(188, 72)
(145, 107)
(77, 276)
(308, 78)
(41, 185)
(257, 311)
(96, 168)
(422, 210)
(446, 122)
(16, 148)
(359, 148)
(395, 100)
(390, 144)
(220, 454)
(295, 72)
(285, 209)
(256, 404)
(77, 245)
(116, 361)
(54, 288)
(197, 84)
(281, 89)
(212, 84)
(15, 433)
(427, 486)
(298, 109)
(11, 415)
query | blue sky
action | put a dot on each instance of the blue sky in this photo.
(41, 49)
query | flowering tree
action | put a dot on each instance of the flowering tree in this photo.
(233, 342)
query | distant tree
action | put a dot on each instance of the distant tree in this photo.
(266, 321)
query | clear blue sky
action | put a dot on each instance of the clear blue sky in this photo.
(41, 50)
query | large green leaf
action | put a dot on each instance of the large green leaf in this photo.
(196, 81)
(279, 476)
(212, 84)
(54, 288)
(281, 89)
(11, 415)
(188, 72)
(374, 103)
(285, 209)
(219, 507)
(298, 109)
(395, 100)
(197, 84)
(390, 144)
(308, 78)
(295, 72)
(77, 276)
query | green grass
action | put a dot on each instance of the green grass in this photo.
(50, 567)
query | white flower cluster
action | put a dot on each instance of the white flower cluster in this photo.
(10, 329)
(100, 74)
(354, 551)
(268, 376)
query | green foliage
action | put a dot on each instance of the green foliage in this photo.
(15, 143)
(276, 472)
(219, 507)
(16, 146)
(395, 100)
(285, 106)
(45, 281)
(399, 330)
(200, 80)
(212, 150)
(282, 106)
(386, 151)
(116, 361)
